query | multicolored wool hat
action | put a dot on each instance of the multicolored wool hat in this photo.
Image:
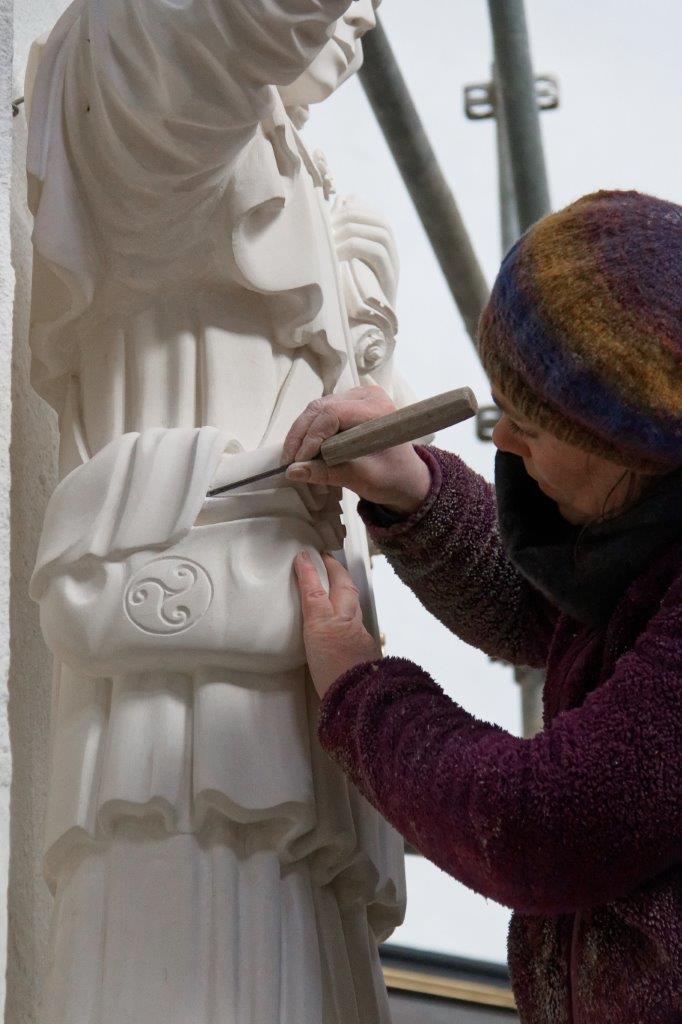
(583, 330)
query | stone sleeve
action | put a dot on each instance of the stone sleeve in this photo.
(160, 99)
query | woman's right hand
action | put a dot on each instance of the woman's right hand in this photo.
(396, 478)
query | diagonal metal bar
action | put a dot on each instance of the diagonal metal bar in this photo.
(413, 153)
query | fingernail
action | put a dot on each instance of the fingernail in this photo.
(304, 556)
(298, 473)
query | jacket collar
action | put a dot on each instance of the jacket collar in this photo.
(583, 571)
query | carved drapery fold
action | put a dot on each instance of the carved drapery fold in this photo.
(186, 306)
(113, 202)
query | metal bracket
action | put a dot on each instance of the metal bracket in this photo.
(479, 98)
(479, 101)
(487, 418)
(547, 92)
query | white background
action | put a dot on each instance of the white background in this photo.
(618, 127)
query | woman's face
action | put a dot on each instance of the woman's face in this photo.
(584, 485)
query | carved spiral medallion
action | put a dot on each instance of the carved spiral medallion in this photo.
(168, 595)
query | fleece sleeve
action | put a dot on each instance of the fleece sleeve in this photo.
(576, 817)
(450, 555)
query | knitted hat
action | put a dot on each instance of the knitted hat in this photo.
(583, 330)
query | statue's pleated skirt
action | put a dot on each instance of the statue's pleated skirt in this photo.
(204, 878)
(198, 929)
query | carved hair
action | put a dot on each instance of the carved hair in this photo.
(364, 297)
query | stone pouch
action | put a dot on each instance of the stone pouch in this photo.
(141, 588)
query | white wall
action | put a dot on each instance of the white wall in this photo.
(6, 300)
(33, 478)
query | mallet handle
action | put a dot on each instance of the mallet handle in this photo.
(400, 426)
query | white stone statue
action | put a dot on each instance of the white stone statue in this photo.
(369, 279)
(209, 864)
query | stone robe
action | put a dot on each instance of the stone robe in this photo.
(209, 864)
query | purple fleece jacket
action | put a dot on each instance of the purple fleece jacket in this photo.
(579, 829)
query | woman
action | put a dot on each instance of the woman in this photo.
(573, 562)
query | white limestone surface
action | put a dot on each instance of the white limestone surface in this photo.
(33, 475)
(6, 288)
(264, 334)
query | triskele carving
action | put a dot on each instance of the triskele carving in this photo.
(168, 595)
(194, 289)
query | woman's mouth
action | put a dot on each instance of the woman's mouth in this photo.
(545, 488)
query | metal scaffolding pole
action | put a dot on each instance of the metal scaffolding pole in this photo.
(524, 199)
(515, 83)
(524, 194)
(404, 132)
(509, 210)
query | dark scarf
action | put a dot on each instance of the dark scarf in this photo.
(584, 571)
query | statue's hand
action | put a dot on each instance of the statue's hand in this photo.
(333, 632)
(362, 234)
(396, 478)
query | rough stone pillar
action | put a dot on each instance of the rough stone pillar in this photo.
(6, 297)
(31, 468)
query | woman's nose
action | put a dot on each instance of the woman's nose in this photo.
(504, 438)
(362, 16)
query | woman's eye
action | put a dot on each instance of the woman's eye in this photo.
(516, 429)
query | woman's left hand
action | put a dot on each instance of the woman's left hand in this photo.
(334, 635)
